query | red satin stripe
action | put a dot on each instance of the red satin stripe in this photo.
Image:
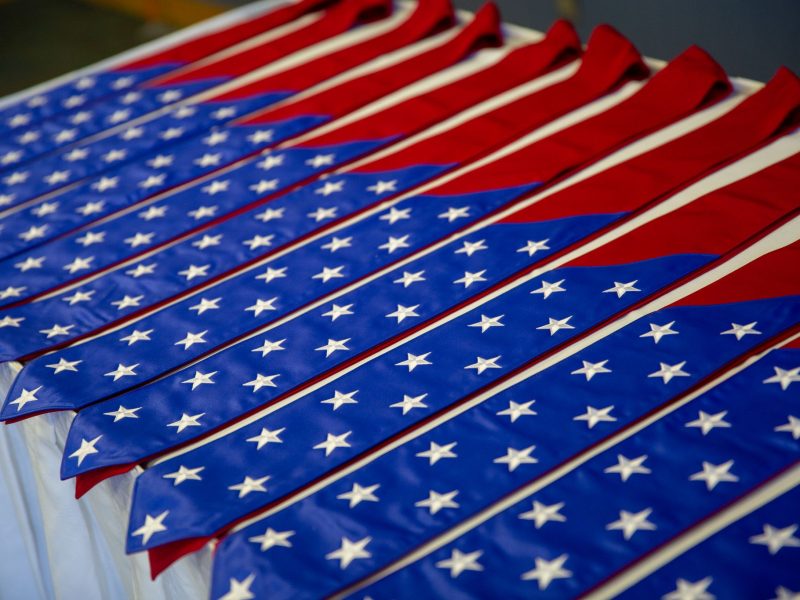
(520, 66)
(712, 224)
(609, 60)
(483, 31)
(429, 17)
(774, 275)
(674, 92)
(754, 121)
(215, 41)
(335, 21)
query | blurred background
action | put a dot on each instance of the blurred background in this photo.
(40, 39)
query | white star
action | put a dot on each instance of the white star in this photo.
(382, 187)
(328, 273)
(542, 514)
(249, 485)
(337, 243)
(226, 112)
(56, 330)
(437, 452)
(152, 525)
(714, 474)
(122, 82)
(332, 442)
(6, 199)
(261, 381)
(25, 397)
(629, 523)
(706, 422)
(215, 137)
(114, 155)
(403, 312)
(271, 274)
(350, 551)
(12, 292)
(359, 494)
(408, 278)
(194, 271)
(533, 247)
(44, 209)
(396, 214)
(19, 120)
(686, 590)
(460, 562)
(481, 364)
(547, 288)
(668, 372)
(57, 177)
(469, 278)
(658, 331)
(239, 590)
(200, 378)
(211, 160)
(205, 305)
(207, 241)
(161, 160)
(30, 263)
(395, 243)
(339, 399)
(215, 187)
(260, 136)
(76, 154)
(270, 161)
(141, 269)
(555, 325)
(267, 436)
(451, 214)
(91, 208)
(792, 427)
(124, 413)
(470, 248)
(321, 160)
(139, 239)
(191, 339)
(269, 346)
(320, 214)
(91, 237)
(73, 101)
(79, 264)
(152, 181)
(783, 377)
(137, 336)
(330, 187)
(515, 411)
(132, 133)
(201, 212)
(272, 538)
(332, 346)
(34, 232)
(11, 157)
(436, 501)
(127, 301)
(122, 371)
(591, 369)
(259, 241)
(16, 177)
(413, 361)
(9, 321)
(626, 467)
(184, 474)
(546, 571)
(409, 403)
(776, 539)
(488, 322)
(742, 330)
(105, 183)
(264, 185)
(620, 289)
(186, 421)
(262, 306)
(87, 448)
(64, 365)
(784, 593)
(514, 458)
(153, 212)
(337, 311)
